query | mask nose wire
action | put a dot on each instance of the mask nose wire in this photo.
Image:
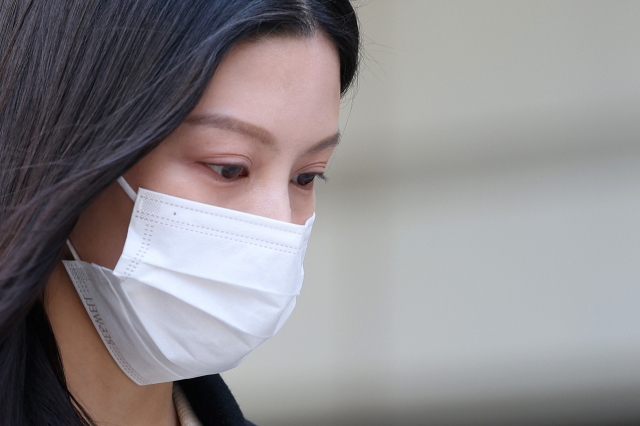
(130, 192)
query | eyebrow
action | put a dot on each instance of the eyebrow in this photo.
(257, 133)
(325, 143)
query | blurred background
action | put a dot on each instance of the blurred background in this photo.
(476, 253)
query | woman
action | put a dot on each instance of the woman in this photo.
(157, 160)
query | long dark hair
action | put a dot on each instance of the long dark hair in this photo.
(88, 87)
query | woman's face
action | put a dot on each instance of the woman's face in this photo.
(265, 127)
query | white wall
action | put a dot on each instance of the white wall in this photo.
(476, 253)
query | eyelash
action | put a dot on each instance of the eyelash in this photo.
(243, 172)
(219, 169)
(313, 178)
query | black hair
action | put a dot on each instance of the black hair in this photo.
(87, 88)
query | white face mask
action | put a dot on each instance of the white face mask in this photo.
(196, 289)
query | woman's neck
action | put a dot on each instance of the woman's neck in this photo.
(93, 377)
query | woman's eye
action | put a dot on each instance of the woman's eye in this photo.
(229, 171)
(304, 179)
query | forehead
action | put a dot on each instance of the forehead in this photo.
(289, 86)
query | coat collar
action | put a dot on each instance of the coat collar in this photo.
(212, 401)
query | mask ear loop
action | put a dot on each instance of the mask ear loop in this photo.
(130, 192)
(127, 188)
(74, 253)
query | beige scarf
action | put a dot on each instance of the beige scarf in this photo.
(185, 412)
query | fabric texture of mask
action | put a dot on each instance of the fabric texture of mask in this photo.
(196, 289)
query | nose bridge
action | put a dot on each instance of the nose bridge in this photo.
(273, 201)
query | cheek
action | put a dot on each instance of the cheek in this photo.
(101, 229)
(303, 205)
(172, 169)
